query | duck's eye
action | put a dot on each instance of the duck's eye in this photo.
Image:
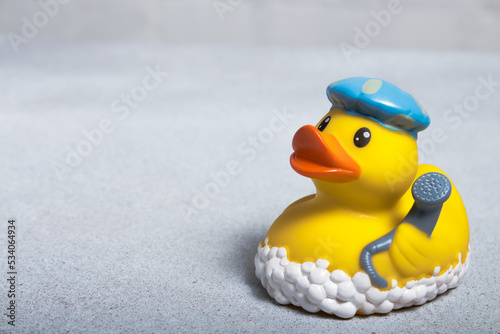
(362, 137)
(323, 124)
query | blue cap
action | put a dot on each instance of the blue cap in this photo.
(381, 101)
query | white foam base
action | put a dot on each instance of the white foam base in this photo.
(312, 287)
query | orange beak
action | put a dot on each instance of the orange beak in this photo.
(320, 156)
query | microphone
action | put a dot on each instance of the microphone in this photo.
(430, 191)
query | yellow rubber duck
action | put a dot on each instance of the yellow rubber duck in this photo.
(381, 232)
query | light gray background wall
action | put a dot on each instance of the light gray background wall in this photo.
(427, 24)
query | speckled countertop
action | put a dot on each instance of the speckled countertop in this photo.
(140, 196)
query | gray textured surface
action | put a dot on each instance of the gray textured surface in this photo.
(117, 245)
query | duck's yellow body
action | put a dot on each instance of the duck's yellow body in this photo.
(317, 227)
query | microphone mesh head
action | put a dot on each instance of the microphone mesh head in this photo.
(431, 189)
